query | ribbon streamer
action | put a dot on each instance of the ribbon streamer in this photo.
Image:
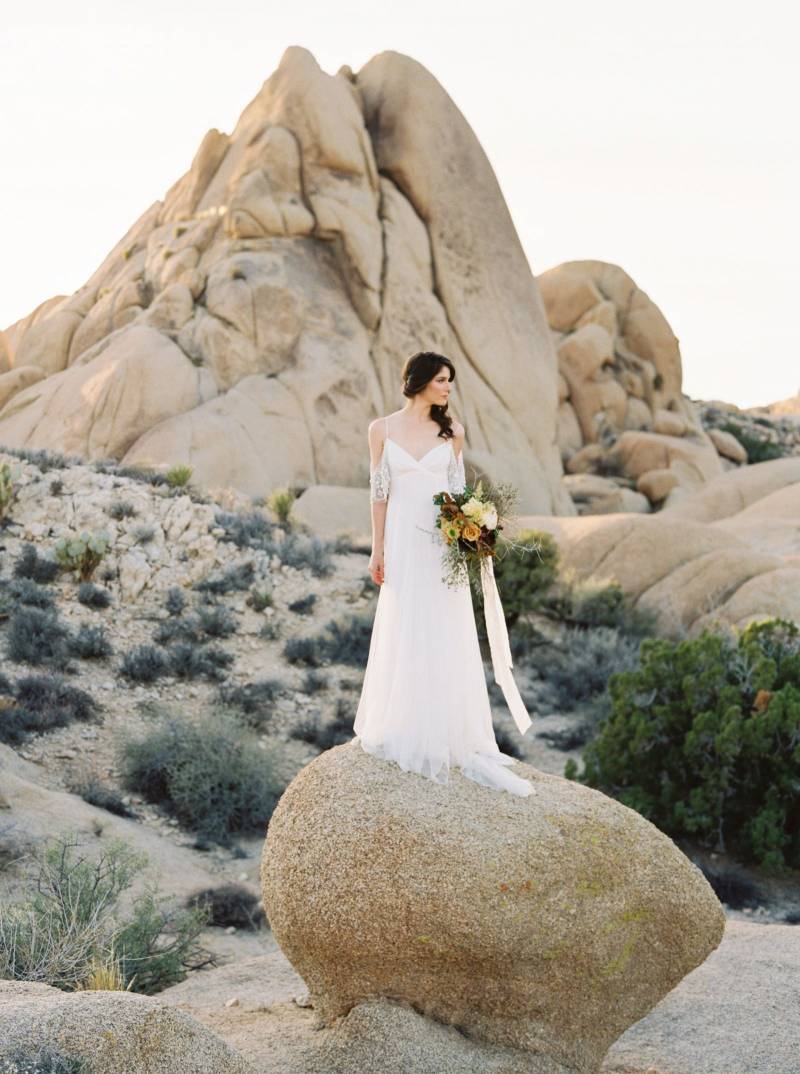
(499, 645)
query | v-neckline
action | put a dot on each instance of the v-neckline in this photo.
(444, 443)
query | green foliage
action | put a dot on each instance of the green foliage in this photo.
(209, 772)
(70, 923)
(704, 740)
(178, 476)
(8, 486)
(82, 554)
(280, 503)
(758, 449)
(525, 573)
(596, 602)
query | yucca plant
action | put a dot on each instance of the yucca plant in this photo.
(8, 486)
(178, 476)
(280, 503)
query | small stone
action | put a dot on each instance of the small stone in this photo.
(232, 1002)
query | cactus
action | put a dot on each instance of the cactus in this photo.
(83, 553)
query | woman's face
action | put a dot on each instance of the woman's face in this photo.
(437, 391)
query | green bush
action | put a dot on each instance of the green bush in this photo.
(209, 772)
(70, 924)
(704, 740)
(596, 602)
(525, 573)
(758, 450)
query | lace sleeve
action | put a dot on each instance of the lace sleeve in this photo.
(456, 479)
(379, 479)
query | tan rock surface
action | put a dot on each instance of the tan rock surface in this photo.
(112, 1031)
(314, 249)
(547, 924)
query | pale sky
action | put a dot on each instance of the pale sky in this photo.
(661, 138)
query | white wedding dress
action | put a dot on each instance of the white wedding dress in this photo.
(424, 702)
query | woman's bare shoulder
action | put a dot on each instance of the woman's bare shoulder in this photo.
(458, 430)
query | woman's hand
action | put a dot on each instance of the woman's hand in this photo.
(376, 567)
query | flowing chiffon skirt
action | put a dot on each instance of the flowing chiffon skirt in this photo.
(424, 703)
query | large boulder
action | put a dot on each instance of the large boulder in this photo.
(111, 1031)
(255, 320)
(546, 924)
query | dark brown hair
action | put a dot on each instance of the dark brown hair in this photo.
(418, 371)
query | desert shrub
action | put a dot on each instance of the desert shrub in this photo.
(178, 476)
(280, 503)
(704, 740)
(56, 486)
(143, 533)
(44, 459)
(144, 663)
(302, 551)
(41, 1059)
(187, 661)
(303, 605)
(240, 576)
(8, 487)
(314, 681)
(324, 735)
(507, 743)
(596, 602)
(230, 905)
(255, 700)
(43, 703)
(216, 621)
(82, 554)
(38, 636)
(270, 629)
(308, 650)
(208, 772)
(576, 671)
(92, 790)
(259, 599)
(70, 926)
(525, 573)
(29, 564)
(758, 449)
(120, 509)
(346, 640)
(181, 627)
(93, 596)
(90, 643)
(175, 600)
(24, 591)
(247, 529)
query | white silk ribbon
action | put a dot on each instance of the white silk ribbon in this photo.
(499, 645)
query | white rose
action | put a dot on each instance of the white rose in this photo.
(490, 518)
(472, 508)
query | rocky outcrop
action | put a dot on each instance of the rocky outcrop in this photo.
(727, 554)
(622, 414)
(543, 925)
(740, 1002)
(111, 1031)
(255, 320)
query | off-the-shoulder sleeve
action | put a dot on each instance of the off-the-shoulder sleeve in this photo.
(379, 479)
(456, 479)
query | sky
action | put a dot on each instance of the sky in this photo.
(660, 138)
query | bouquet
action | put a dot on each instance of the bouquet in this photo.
(470, 523)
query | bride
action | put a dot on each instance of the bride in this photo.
(424, 702)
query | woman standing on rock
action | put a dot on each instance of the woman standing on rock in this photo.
(424, 702)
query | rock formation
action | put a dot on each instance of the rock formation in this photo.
(726, 554)
(253, 322)
(111, 1031)
(622, 416)
(543, 925)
